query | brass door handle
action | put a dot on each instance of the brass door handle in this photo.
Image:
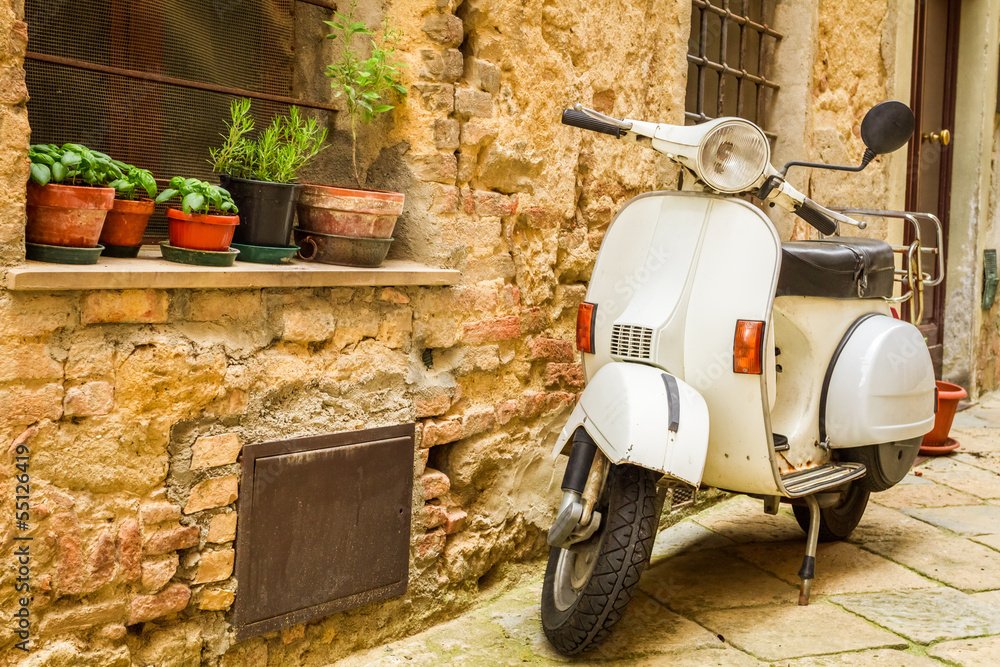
(943, 137)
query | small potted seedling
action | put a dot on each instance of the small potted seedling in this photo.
(368, 78)
(135, 191)
(203, 225)
(260, 171)
(68, 201)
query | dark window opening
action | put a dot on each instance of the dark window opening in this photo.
(728, 53)
(150, 83)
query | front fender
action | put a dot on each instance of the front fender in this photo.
(641, 415)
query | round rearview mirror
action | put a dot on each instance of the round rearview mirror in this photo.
(887, 126)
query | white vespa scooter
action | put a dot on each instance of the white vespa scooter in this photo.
(715, 355)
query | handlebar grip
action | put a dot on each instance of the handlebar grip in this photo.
(812, 213)
(582, 120)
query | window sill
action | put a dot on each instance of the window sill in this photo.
(149, 271)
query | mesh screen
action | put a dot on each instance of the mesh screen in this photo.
(166, 127)
(245, 44)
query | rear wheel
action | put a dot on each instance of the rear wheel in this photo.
(587, 586)
(837, 522)
(887, 463)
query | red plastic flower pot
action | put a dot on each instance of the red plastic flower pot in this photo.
(126, 222)
(937, 441)
(198, 231)
(67, 215)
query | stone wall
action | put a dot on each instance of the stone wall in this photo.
(134, 403)
(13, 132)
(988, 374)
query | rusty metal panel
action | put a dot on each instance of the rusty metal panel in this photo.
(324, 525)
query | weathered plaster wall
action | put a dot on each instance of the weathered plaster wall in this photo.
(988, 357)
(835, 62)
(970, 335)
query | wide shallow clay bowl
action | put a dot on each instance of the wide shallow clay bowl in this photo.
(349, 212)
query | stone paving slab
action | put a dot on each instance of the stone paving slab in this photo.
(713, 579)
(926, 616)
(990, 598)
(684, 537)
(978, 437)
(992, 541)
(884, 523)
(880, 657)
(955, 561)
(981, 652)
(788, 631)
(963, 477)
(840, 568)
(742, 519)
(966, 520)
(724, 656)
(989, 460)
(916, 491)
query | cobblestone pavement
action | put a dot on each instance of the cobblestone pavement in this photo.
(918, 583)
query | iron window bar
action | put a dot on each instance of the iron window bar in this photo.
(139, 75)
(743, 75)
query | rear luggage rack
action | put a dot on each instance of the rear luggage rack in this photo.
(912, 277)
(814, 480)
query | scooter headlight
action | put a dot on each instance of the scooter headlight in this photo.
(733, 155)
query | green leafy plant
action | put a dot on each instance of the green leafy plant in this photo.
(368, 85)
(198, 196)
(276, 154)
(72, 164)
(133, 182)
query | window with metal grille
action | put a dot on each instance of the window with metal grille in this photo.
(151, 82)
(728, 52)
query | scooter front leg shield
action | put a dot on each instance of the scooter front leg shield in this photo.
(641, 415)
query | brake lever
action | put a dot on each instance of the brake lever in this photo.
(784, 194)
(597, 115)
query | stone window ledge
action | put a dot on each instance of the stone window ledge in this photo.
(144, 273)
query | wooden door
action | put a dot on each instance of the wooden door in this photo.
(935, 59)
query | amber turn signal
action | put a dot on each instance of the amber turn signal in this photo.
(748, 347)
(585, 318)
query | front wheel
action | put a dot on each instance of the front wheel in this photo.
(588, 585)
(837, 522)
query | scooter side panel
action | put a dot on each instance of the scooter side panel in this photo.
(640, 415)
(882, 386)
(642, 275)
(736, 273)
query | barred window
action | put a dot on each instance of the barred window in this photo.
(728, 55)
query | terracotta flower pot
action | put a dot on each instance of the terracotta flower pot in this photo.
(937, 441)
(67, 215)
(198, 231)
(368, 214)
(126, 222)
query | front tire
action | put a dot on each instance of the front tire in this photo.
(839, 521)
(587, 586)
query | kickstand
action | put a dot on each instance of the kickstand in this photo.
(808, 569)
